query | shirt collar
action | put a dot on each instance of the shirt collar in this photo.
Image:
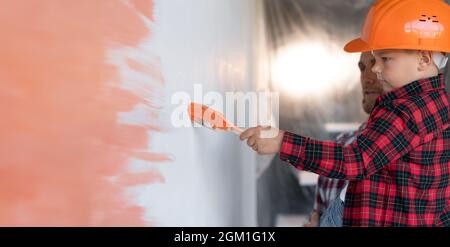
(414, 88)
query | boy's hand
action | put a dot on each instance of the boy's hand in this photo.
(264, 140)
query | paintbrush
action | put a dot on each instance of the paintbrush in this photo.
(211, 118)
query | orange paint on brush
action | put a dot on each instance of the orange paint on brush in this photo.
(60, 138)
(210, 118)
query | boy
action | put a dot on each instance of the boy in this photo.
(399, 166)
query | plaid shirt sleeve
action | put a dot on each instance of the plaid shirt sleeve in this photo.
(388, 136)
(318, 204)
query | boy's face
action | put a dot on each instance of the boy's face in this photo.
(396, 68)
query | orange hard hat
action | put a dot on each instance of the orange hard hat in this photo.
(405, 24)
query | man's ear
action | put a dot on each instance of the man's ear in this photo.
(425, 60)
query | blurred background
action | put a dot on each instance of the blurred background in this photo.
(146, 52)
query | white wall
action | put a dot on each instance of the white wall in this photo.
(211, 181)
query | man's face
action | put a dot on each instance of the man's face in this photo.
(395, 68)
(371, 86)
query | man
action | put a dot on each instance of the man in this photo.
(330, 193)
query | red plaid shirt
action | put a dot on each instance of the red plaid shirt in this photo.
(399, 165)
(328, 189)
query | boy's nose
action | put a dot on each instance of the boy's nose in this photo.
(376, 68)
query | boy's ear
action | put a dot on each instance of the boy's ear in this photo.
(425, 60)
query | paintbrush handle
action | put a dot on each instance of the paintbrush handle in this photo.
(237, 130)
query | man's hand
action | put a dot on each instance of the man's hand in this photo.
(264, 140)
(314, 220)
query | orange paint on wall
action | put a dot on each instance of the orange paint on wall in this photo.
(60, 139)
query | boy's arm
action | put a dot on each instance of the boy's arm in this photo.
(387, 138)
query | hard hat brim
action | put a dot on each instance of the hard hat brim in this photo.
(357, 45)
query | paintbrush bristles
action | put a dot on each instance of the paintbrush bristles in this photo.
(211, 118)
